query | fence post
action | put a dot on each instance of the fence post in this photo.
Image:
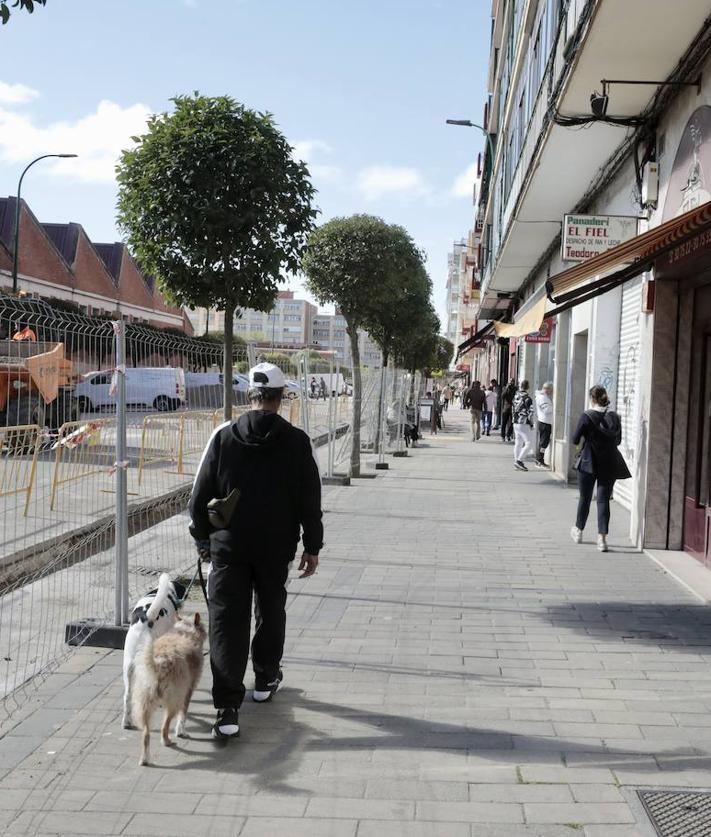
(331, 417)
(121, 526)
(381, 464)
(401, 415)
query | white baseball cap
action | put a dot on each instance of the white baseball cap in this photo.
(266, 376)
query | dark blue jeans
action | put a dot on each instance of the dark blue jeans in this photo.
(486, 417)
(586, 485)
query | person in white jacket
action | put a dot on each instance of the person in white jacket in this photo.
(544, 415)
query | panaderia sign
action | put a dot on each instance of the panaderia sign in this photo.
(585, 236)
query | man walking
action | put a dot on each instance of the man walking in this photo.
(507, 397)
(522, 415)
(264, 470)
(475, 399)
(544, 414)
(491, 399)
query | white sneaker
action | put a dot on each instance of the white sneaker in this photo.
(602, 543)
(576, 534)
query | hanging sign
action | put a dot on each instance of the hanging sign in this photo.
(585, 236)
(543, 335)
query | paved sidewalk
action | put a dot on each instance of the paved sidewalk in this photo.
(457, 667)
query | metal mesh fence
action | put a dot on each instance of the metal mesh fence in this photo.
(59, 469)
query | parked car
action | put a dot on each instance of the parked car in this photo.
(292, 390)
(205, 389)
(160, 388)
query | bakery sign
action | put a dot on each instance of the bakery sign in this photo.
(585, 236)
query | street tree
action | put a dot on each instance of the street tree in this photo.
(214, 205)
(348, 262)
(414, 348)
(403, 297)
(27, 5)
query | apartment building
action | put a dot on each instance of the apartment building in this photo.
(289, 323)
(595, 217)
(293, 322)
(329, 333)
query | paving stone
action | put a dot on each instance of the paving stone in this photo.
(361, 809)
(81, 822)
(135, 801)
(387, 828)
(578, 812)
(306, 827)
(471, 812)
(183, 825)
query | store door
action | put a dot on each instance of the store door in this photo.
(697, 510)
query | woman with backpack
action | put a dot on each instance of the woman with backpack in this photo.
(599, 460)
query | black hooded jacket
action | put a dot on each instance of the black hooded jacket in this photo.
(272, 464)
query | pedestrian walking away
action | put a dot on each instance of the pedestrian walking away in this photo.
(475, 400)
(446, 396)
(488, 417)
(544, 415)
(262, 473)
(494, 385)
(507, 397)
(599, 434)
(522, 416)
(322, 388)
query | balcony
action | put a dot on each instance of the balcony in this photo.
(557, 165)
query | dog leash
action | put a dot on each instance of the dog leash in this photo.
(198, 573)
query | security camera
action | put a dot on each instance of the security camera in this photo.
(598, 104)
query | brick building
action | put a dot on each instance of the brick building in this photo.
(60, 261)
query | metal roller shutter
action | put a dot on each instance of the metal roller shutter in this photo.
(628, 384)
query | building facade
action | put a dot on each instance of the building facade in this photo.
(293, 322)
(59, 261)
(289, 323)
(637, 317)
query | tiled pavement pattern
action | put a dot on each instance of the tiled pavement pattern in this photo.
(457, 667)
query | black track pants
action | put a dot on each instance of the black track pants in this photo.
(230, 588)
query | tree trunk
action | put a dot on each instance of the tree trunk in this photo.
(381, 401)
(228, 394)
(411, 397)
(357, 399)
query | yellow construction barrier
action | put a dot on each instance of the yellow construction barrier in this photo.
(18, 460)
(74, 455)
(195, 430)
(160, 441)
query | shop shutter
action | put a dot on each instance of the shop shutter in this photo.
(628, 384)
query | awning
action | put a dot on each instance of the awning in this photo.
(529, 322)
(627, 260)
(476, 340)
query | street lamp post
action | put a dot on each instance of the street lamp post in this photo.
(467, 123)
(17, 215)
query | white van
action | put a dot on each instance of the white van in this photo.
(158, 388)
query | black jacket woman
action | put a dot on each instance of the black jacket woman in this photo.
(599, 460)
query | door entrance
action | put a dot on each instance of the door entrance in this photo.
(697, 509)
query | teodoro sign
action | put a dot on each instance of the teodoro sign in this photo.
(585, 236)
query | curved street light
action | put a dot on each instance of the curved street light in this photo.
(15, 251)
(467, 123)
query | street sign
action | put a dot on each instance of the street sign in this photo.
(543, 335)
(585, 236)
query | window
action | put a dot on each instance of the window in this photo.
(100, 379)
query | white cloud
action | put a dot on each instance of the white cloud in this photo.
(97, 138)
(464, 184)
(377, 181)
(307, 150)
(16, 94)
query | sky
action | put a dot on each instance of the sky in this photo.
(360, 88)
